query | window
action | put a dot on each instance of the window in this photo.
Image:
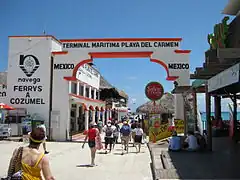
(92, 94)
(74, 88)
(97, 95)
(81, 89)
(87, 92)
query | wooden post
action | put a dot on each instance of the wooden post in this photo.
(195, 108)
(208, 118)
(217, 107)
(235, 137)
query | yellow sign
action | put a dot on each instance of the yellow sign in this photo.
(179, 125)
(158, 133)
(163, 131)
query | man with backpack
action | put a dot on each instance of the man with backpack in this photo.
(125, 136)
(109, 129)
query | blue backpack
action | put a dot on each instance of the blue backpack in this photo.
(125, 130)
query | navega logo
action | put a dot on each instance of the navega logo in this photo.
(29, 64)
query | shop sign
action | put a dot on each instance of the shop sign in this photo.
(123, 44)
(28, 64)
(225, 78)
(154, 91)
(88, 75)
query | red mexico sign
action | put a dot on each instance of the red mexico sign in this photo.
(154, 91)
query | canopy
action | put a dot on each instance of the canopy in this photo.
(5, 107)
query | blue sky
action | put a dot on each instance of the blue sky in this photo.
(189, 19)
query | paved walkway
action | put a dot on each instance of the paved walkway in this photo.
(67, 158)
(222, 163)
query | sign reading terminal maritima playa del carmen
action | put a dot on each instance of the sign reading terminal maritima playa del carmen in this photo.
(128, 44)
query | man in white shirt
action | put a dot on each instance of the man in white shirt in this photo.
(191, 140)
(44, 142)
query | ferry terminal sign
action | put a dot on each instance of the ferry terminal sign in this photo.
(144, 44)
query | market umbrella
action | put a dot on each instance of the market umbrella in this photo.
(5, 107)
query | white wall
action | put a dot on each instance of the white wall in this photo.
(37, 85)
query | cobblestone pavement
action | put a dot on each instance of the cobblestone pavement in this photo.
(67, 160)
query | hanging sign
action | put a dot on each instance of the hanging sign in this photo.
(154, 91)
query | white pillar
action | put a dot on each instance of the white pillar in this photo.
(95, 94)
(69, 87)
(78, 87)
(93, 116)
(103, 118)
(179, 106)
(90, 92)
(84, 90)
(77, 116)
(86, 119)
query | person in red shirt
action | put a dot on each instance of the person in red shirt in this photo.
(91, 135)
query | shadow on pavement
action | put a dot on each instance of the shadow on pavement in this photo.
(222, 163)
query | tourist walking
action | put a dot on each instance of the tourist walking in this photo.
(108, 130)
(45, 139)
(133, 126)
(28, 163)
(116, 134)
(125, 132)
(91, 135)
(138, 136)
(98, 138)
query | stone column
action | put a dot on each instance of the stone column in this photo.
(78, 87)
(93, 116)
(84, 90)
(86, 119)
(95, 93)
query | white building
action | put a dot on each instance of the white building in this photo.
(52, 77)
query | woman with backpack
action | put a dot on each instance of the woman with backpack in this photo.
(109, 138)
